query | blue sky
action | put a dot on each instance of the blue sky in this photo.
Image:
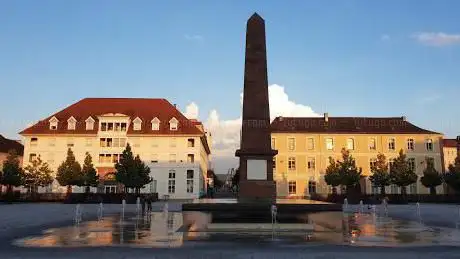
(348, 58)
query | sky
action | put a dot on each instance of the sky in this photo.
(344, 57)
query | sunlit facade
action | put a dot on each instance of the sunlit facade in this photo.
(305, 144)
(174, 147)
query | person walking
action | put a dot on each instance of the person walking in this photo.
(149, 203)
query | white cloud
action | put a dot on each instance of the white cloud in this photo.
(226, 133)
(191, 111)
(437, 39)
(385, 37)
(193, 37)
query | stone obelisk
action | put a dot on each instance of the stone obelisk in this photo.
(255, 153)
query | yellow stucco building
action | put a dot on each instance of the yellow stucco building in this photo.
(175, 148)
(449, 152)
(305, 144)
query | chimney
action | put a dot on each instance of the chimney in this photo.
(281, 118)
(175, 106)
(404, 118)
(326, 117)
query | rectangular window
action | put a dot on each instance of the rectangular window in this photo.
(311, 164)
(172, 142)
(101, 158)
(50, 160)
(102, 142)
(372, 163)
(123, 126)
(274, 164)
(136, 142)
(190, 142)
(116, 142)
(410, 144)
(291, 163)
(171, 186)
(310, 143)
(172, 158)
(33, 141)
(292, 187)
(191, 158)
(329, 143)
(429, 145)
(411, 164)
(273, 143)
(155, 126)
(103, 126)
(172, 126)
(110, 126)
(172, 181)
(189, 181)
(372, 144)
(32, 157)
(115, 158)
(350, 144)
(117, 126)
(154, 159)
(390, 163)
(109, 142)
(430, 160)
(107, 158)
(291, 144)
(392, 144)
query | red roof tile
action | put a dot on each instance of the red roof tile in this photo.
(449, 142)
(357, 125)
(145, 109)
(9, 144)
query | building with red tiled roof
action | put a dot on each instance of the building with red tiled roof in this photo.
(305, 144)
(176, 148)
(449, 151)
(6, 145)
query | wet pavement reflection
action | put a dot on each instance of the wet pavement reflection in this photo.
(177, 229)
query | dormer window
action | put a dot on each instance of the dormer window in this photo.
(90, 123)
(137, 124)
(71, 123)
(173, 124)
(53, 123)
(155, 124)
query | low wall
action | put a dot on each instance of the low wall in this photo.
(392, 198)
(73, 197)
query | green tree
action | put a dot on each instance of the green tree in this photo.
(401, 174)
(36, 174)
(125, 168)
(69, 172)
(431, 178)
(380, 176)
(142, 176)
(89, 173)
(131, 171)
(332, 176)
(452, 177)
(349, 173)
(12, 171)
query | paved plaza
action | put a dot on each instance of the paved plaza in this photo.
(21, 220)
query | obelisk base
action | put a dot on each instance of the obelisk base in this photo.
(257, 191)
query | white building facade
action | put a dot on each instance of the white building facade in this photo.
(175, 148)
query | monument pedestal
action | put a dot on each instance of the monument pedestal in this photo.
(257, 191)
